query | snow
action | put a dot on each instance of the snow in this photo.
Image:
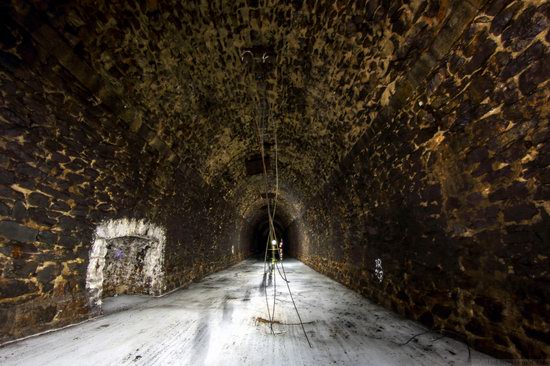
(215, 322)
(122, 302)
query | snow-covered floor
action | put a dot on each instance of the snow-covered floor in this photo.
(122, 302)
(215, 322)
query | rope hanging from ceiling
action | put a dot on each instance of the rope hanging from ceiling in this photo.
(273, 244)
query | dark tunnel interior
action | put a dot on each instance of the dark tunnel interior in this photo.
(255, 232)
(261, 237)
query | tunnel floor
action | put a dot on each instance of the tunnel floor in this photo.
(215, 322)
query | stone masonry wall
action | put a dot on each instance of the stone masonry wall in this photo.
(442, 209)
(68, 163)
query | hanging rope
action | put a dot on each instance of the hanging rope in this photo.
(261, 126)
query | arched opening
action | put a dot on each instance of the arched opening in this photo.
(127, 257)
(255, 232)
(261, 236)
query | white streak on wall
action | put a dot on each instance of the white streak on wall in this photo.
(153, 267)
(378, 271)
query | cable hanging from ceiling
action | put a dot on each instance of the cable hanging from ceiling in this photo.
(273, 244)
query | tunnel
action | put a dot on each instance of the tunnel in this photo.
(261, 235)
(352, 182)
(256, 231)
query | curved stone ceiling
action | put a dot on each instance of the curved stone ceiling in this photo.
(181, 67)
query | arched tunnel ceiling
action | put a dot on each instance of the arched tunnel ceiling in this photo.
(289, 205)
(179, 66)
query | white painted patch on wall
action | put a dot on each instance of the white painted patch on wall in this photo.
(378, 271)
(153, 263)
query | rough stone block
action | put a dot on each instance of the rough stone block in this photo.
(6, 177)
(19, 211)
(442, 311)
(24, 268)
(492, 309)
(4, 209)
(47, 237)
(46, 314)
(521, 32)
(14, 231)
(523, 211)
(38, 199)
(47, 274)
(10, 288)
(538, 73)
